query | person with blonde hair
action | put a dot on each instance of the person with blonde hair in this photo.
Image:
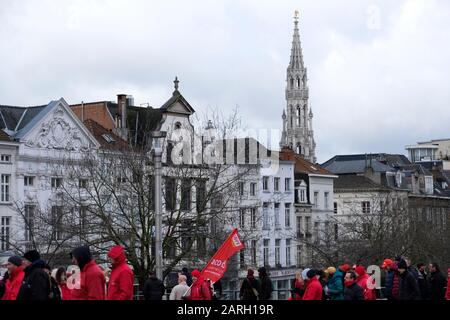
(297, 287)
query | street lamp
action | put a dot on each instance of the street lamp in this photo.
(158, 137)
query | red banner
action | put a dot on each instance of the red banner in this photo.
(217, 266)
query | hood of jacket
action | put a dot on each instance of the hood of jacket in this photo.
(38, 264)
(117, 254)
(83, 256)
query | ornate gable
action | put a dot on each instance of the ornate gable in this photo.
(59, 130)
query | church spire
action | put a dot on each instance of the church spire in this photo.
(297, 117)
(296, 61)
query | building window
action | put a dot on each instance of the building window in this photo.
(56, 183)
(5, 233)
(200, 195)
(288, 252)
(302, 195)
(82, 211)
(276, 184)
(326, 198)
(299, 227)
(266, 252)
(242, 259)
(28, 181)
(336, 232)
(29, 221)
(308, 225)
(57, 222)
(365, 205)
(287, 215)
(277, 215)
(185, 195)
(82, 183)
(316, 232)
(201, 246)
(287, 184)
(5, 187)
(277, 252)
(171, 193)
(241, 188)
(253, 218)
(242, 218)
(316, 199)
(266, 216)
(254, 243)
(253, 189)
(335, 207)
(299, 255)
(5, 158)
(265, 183)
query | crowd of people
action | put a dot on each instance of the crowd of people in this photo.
(31, 278)
(402, 281)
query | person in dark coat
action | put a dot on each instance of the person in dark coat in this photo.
(352, 290)
(186, 273)
(422, 281)
(437, 283)
(408, 287)
(217, 286)
(153, 288)
(36, 283)
(250, 288)
(3, 284)
(266, 285)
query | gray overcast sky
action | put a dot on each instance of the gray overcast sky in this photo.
(378, 71)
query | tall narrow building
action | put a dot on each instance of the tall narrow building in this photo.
(297, 132)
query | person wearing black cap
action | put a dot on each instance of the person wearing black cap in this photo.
(14, 281)
(36, 283)
(408, 288)
(92, 279)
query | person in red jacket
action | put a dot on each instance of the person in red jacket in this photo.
(313, 289)
(92, 281)
(121, 280)
(363, 280)
(16, 275)
(447, 294)
(200, 290)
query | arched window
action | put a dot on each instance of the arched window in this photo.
(298, 82)
(298, 149)
(305, 117)
(292, 82)
(299, 114)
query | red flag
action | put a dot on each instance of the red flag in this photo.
(217, 266)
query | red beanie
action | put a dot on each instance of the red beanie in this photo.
(345, 267)
(196, 273)
(360, 270)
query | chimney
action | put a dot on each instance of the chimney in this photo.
(122, 104)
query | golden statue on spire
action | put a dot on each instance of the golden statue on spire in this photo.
(296, 14)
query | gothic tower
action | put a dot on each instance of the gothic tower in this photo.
(297, 132)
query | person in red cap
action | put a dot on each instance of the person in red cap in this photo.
(121, 281)
(200, 290)
(447, 294)
(392, 279)
(366, 283)
(16, 275)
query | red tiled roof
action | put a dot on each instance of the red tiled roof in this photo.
(302, 165)
(98, 131)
